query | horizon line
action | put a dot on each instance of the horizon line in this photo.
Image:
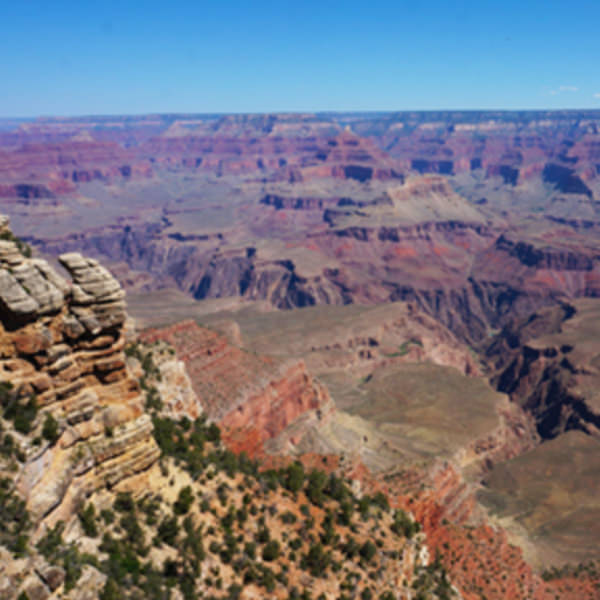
(296, 112)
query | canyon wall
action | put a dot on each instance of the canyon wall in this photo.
(253, 397)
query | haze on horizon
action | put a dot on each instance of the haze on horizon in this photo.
(68, 58)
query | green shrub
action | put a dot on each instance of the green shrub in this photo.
(337, 489)
(87, 518)
(50, 429)
(344, 516)
(72, 563)
(288, 517)
(315, 489)
(50, 543)
(168, 531)
(133, 532)
(153, 399)
(271, 551)
(380, 500)
(364, 506)
(184, 501)
(108, 516)
(14, 519)
(22, 415)
(250, 550)
(110, 591)
(295, 544)
(8, 445)
(350, 548)
(294, 477)
(316, 561)
(234, 591)
(404, 525)
(6, 395)
(368, 550)
(124, 502)
(263, 535)
(213, 433)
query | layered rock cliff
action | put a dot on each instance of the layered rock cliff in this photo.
(89, 412)
(548, 365)
(61, 349)
(253, 397)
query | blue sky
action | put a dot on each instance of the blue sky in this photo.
(88, 57)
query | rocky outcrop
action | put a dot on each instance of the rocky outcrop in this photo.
(28, 288)
(546, 258)
(544, 382)
(548, 368)
(268, 412)
(61, 342)
(253, 397)
(478, 555)
(515, 434)
(167, 379)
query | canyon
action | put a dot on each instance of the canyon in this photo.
(406, 298)
(301, 210)
(89, 416)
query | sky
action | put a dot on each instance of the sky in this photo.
(88, 57)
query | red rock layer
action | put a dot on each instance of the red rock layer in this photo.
(480, 560)
(253, 397)
(71, 161)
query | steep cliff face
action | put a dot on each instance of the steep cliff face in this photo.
(548, 365)
(253, 397)
(61, 348)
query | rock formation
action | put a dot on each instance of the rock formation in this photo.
(62, 345)
(253, 397)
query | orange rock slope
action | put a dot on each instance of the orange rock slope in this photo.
(253, 397)
(481, 561)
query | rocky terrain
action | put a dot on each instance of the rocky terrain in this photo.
(253, 398)
(409, 299)
(548, 366)
(62, 353)
(114, 485)
(474, 217)
(401, 445)
(106, 447)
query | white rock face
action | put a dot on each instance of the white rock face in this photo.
(28, 286)
(98, 300)
(14, 297)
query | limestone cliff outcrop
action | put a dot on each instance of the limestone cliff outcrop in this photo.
(61, 347)
(166, 380)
